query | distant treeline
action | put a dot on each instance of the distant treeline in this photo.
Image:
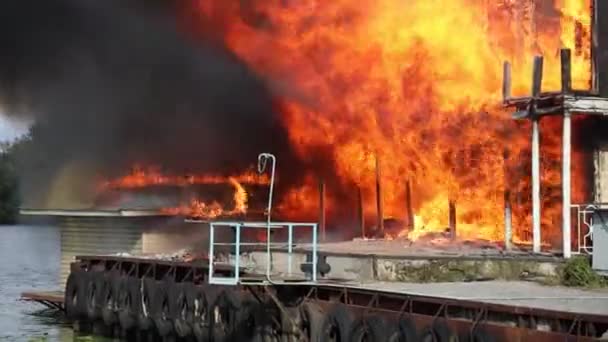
(9, 181)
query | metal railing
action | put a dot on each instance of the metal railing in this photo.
(584, 227)
(272, 274)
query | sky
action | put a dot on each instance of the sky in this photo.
(11, 129)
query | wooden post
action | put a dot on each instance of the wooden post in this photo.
(409, 205)
(566, 157)
(379, 208)
(322, 209)
(506, 81)
(452, 219)
(361, 212)
(536, 214)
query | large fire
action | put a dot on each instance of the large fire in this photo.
(416, 84)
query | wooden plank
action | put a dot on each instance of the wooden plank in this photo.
(56, 297)
(566, 69)
(586, 105)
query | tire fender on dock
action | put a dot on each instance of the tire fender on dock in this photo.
(111, 284)
(439, 332)
(337, 324)
(407, 330)
(94, 295)
(198, 306)
(182, 310)
(146, 288)
(160, 310)
(373, 329)
(128, 300)
(75, 295)
(312, 316)
(235, 316)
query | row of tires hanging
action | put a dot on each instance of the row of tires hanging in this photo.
(167, 310)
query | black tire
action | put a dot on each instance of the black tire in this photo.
(197, 297)
(111, 284)
(94, 295)
(161, 313)
(312, 321)
(438, 332)
(75, 295)
(143, 307)
(182, 311)
(373, 329)
(407, 330)
(480, 335)
(337, 324)
(235, 317)
(128, 300)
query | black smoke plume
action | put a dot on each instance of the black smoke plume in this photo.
(117, 83)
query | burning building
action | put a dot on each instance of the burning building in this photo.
(387, 110)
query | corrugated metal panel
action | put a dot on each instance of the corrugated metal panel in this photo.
(98, 235)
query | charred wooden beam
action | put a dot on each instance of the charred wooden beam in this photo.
(379, 206)
(322, 212)
(361, 212)
(409, 205)
(452, 219)
(566, 69)
(537, 76)
(506, 82)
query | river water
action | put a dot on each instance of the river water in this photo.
(29, 260)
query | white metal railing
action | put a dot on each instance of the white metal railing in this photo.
(272, 273)
(584, 227)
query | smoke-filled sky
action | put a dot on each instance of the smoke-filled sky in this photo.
(113, 83)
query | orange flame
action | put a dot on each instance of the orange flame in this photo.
(141, 178)
(201, 210)
(415, 83)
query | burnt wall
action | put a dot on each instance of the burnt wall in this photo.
(601, 45)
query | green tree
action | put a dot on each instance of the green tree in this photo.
(9, 186)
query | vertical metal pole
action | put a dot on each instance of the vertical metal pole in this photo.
(536, 238)
(237, 261)
(289, 247)
(566, 64)
(566, 189)
(262, 160)
(314, 252)
(322, 209)
(211, 243)
(507, 200)
(537, 77)
(361, 212)
(379, 208)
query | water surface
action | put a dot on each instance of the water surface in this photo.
(29, 260)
